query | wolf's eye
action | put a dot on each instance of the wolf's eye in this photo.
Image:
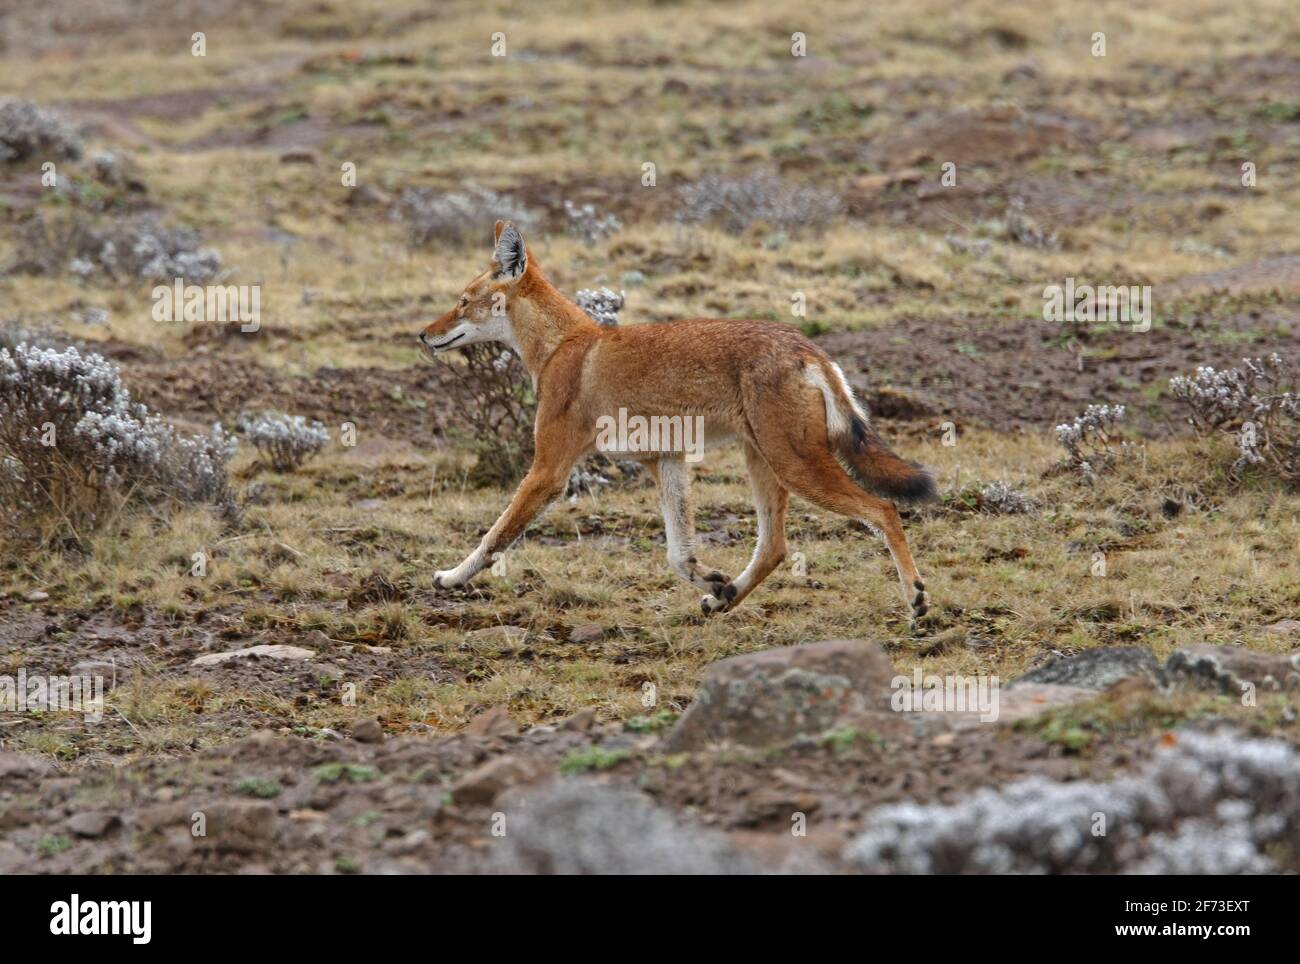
(464, 300)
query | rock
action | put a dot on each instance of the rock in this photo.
(92, 823)
(14, 815)
(1228, 668)
(871, 184)
(298, 156)
(1029, 699)
(265, 651)
(579, 722)
(1096, 669)
(1287, 627)
(584, 827)
(243, 826)
(1013, 703)
(586, 633)
(409, 843)
(767, 698)
(364, 195)
(111, 672)
(368, 731)
(21, 765)
(482, 784)
(36, 595)
(495, 721)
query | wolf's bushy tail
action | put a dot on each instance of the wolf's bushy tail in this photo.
(863, 453)
(876, 467)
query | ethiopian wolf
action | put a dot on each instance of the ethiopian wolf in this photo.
(762, 384)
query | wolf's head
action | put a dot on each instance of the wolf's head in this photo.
(483, 312)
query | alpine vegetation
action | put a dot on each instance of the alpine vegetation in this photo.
(1089, 439)
(763, 198)
(1211, 804)
(1001, 498)
(431, 215)
(28, 130)
(74, 448)
(601, 304)
(125, 249)
(494, 391)
(586, 223)
(284, 441)
(1257, 403)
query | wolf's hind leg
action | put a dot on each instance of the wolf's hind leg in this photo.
(810, 470)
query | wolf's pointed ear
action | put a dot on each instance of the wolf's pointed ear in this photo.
(510, 256)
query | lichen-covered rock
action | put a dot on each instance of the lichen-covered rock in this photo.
(768, 698)
(1210, 803)
(583, 827)
(1097, 669)
(1230, 668)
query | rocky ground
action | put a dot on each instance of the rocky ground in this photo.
(780, 762)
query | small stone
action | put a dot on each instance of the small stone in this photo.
(368, 731)
(92, 823)
(579, 722)
(237, 826)
(495, 721)
(409, 843)
(20, 764)
(365, 195)
(298, 156)
(265, 651)
(586, 633)
(482, 784)
(36, 595)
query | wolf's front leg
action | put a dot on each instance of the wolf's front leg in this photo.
(540, 486)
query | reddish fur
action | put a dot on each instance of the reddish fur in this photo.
(745, 377)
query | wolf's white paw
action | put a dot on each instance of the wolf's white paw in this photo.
(446, 579)
(712, 604)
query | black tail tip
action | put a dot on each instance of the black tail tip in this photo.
(917, 486)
